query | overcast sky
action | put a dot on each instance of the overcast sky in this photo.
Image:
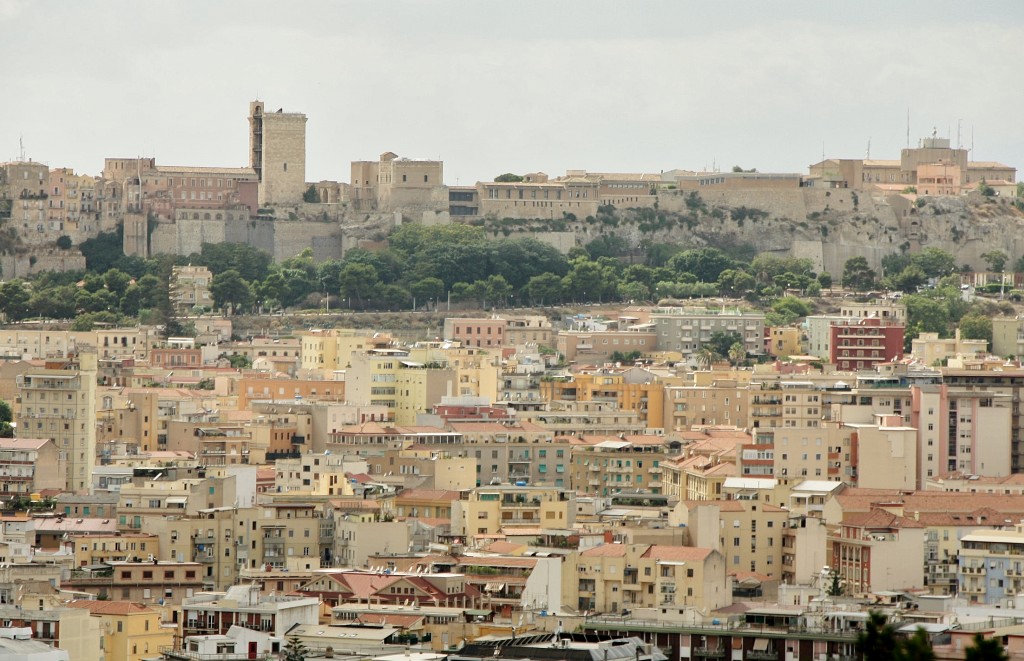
(492, 87)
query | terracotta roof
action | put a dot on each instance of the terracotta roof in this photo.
(677, 553)
(505, 548)
(605, 551)
(427, 494)
(856, 499)
(110, 607)
(879, 518)
(22, 443)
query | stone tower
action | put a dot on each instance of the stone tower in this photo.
(277, 152)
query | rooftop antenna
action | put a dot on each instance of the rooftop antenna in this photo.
(959, 144)
(908, 127)
(21, 149)
(972, 140)
(868, 157)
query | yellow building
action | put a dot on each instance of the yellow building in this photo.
(612, 577)
(487, 510)
(59, 402)
(627, 388)
(325, 352)
(393, 379)
(130, 631)
(604, 465)
(747, 533)
(95, 549)
(784, 341)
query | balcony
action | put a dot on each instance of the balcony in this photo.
(762, 655)
(708, 652)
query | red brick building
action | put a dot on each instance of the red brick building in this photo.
(863, 343)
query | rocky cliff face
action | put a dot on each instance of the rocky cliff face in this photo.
(826, 226)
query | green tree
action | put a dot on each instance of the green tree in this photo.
(312, 195)
(996, 260)
(64, 242)
(825, 280)
(857, 274)
(544, 289)
(788, 309)
(14, 300)
(878, 640)
(722, 341)
(705, 263)
(607, 245)
(295, 650)
(915, 648)
(357, 281)
(238, 361)
(498, 290)
(633, 291)
(908, 280)
(835, 583)
(935, 262)
(508, 177)
(985, 189)
(427, 289)
(230, 290)
(116, 281)
(985, 649)
(6, 418)
(976, 326)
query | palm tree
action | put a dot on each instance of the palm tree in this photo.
(737, 353)
(985, 649)
(705, 356)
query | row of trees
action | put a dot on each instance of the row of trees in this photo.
(880, 641)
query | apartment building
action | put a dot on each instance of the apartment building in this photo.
(390, 378)
(472, 332)
(58, 402)
(596, 347)
(930, 349)
(962, 428)
(687, 330)
(131, 631)
(990, 568)
(30, 465)
(612, 577)
(864, 343)
(319, 474)
(724, 401)
(357, 539)
(190, 288)
(243, 605)
(747, 533)
(878, 550)
(630, 388)
(487, 510)
(103, 548)
(151, 582)
(604, 465)
(55, 624)
(325, 352)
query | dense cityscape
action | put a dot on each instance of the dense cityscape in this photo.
(709, 413)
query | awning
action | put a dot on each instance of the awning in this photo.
(177, 500)
(494, 587)
(760, 645)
